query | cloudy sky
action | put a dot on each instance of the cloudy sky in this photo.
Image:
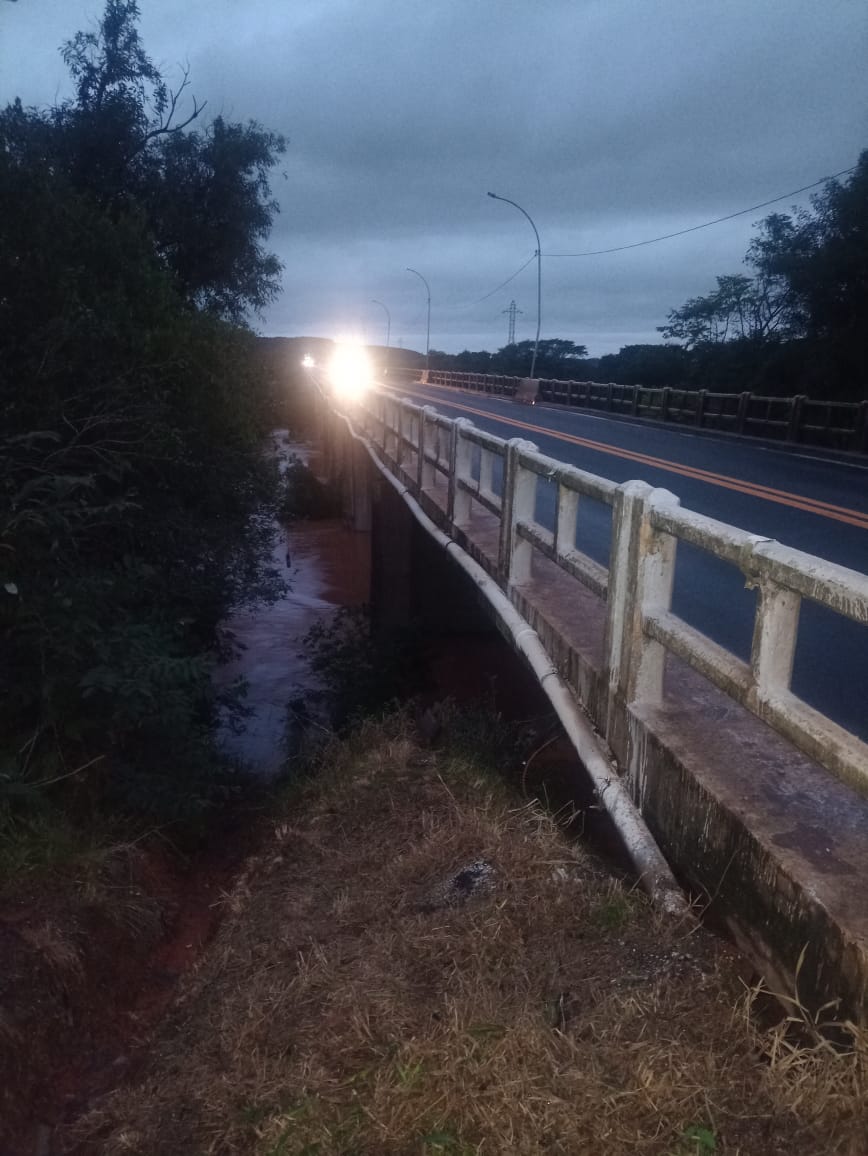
(609, 121)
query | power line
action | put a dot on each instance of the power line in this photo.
(502, 285)
(704, 225)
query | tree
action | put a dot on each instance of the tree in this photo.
(796, 323)
(134, 497)
(123, 143)
(740, 309)
(650, 365)
(556, 357)
(122, 106)
(210, 209)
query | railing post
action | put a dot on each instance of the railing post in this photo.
(460, 454)
(519, 500)
(388, 432)
(774, 638)
(654, 576)
(424, 469)
(665, 396)
(741, 416)
(634, 400)
(795, 419)
(565, 520)
(860, 430)
(701, 395)
(486, 470)
(400, 446)
(627, 510)
(610, 389)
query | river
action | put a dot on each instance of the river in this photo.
(329, 568)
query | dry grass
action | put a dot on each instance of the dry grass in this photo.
(557, 1013)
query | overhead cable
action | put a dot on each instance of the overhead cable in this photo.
(705, 224)
(502, 285)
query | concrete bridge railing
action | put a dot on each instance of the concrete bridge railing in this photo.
(470, 466)
(809, 421)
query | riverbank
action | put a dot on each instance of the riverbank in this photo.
(415, 959)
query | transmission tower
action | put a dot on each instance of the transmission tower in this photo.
(512, 312)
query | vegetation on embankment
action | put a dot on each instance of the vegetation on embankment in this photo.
(363, 996)
(135, 501)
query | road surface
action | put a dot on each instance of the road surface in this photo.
(810, 499)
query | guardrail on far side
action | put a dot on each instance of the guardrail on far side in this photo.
(807, 421)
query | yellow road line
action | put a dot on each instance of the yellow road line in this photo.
(724, 481)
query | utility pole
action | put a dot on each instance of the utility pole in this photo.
(428, 330)
(512, 312)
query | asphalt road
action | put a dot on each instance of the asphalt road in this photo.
(812, 500)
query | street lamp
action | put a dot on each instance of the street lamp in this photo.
(428, 331)
(538, 275)
(374, 301)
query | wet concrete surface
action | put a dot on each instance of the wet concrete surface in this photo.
(328, 568)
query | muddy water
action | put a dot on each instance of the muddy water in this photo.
(328, 568)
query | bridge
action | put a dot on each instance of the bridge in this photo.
(709, 764)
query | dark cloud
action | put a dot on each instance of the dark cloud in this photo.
(609, 120)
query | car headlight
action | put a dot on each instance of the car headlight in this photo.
(350, 372)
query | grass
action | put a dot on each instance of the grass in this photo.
(343, 1011)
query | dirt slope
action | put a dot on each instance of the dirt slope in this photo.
(418, 961)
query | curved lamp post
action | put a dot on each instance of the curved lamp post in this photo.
(538, 274)
(374, 301)
(428, 331)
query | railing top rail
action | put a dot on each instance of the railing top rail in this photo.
(837, 587)
(728, 542)
(484, 439)
(435, 418)
(571, 477)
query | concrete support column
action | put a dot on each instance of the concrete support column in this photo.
(391, 559)
(361, 488)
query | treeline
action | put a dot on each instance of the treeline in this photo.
(135, 502)
(794, 323)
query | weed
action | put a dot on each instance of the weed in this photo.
(697, 1140)
(612, 913)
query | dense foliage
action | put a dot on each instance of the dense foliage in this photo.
(556, 357)
(134, 499)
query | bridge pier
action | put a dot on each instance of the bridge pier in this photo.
(413, 581)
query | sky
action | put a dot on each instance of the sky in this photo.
(608, 121)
